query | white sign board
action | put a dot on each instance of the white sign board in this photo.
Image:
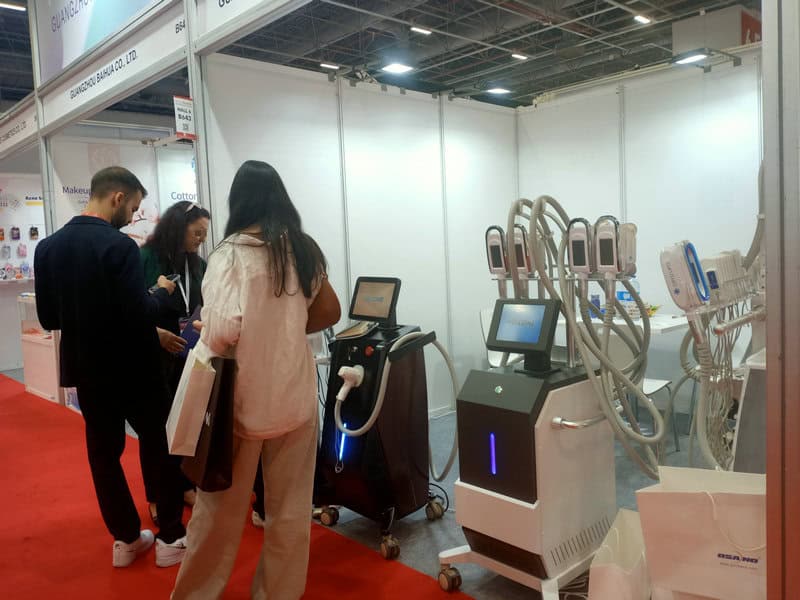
(184, 118)
(216, 13)
(68, 29)
(146, 48)
(17, 129)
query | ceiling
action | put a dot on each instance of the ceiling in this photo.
(468, 52)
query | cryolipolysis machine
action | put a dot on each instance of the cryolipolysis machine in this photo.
(536, 494)
(374, 454)
(721, 296)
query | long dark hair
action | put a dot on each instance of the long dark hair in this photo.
(168, 240)
(258, 197)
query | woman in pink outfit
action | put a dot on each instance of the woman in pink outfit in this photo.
(260, 283)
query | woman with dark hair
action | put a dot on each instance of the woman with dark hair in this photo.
(173, 249)
(265, 289)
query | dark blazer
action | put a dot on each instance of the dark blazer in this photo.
(90, 286)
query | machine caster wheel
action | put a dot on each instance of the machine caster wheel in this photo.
(449, 579)
(329, 516)
(434, 510)
(390, 548)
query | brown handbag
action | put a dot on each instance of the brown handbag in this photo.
(325, 311)
(211, 467)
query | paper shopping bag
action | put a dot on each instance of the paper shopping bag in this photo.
(705, 533)
(211, 467)
(619, 570)
(189, 405)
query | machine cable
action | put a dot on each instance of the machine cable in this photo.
(614, 385)
(716, 319)
(376, 410)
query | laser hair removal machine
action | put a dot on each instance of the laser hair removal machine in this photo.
(374, 454)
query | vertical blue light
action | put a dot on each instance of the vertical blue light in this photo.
(341, 444)
(493, 454)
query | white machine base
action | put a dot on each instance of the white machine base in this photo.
(548, 587)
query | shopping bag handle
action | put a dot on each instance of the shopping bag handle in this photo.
(724, 531)
(606, 546)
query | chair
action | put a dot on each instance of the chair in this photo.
(621, 355)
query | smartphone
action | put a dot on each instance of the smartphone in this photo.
(173, 278)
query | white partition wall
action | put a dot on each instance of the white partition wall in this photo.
(480, 167)
(685, 145)
(287, 118)
(569, 149)
(692, 153)
(386, 150)
(424, 178)
(395, 210)
(177, 176)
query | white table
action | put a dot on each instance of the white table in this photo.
(659, 324)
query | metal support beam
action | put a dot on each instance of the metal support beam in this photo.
(411, 24)
(530, 62)
(565, 28)
(197, 91)
(526, 36)
(622, 6)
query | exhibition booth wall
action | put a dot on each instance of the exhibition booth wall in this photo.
(168, 172)
(403, 184)
(382, 181)
(21, 227)
(675, 152)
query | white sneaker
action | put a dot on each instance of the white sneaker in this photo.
(125, 554)
(170, 554)
(256, 519)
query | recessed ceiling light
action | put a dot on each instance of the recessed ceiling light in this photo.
(397, 68)
(421, 31)
(519, 56)
(642, 19)
(18, 7)
(692, 58)
(328, 66)
(498, 90)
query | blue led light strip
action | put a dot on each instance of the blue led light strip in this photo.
(493, 454)
(341, 446)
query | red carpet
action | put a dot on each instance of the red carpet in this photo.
(53, 543)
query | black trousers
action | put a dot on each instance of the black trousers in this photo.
(172, 369)
(105, 408)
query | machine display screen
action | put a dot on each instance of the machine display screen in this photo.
(497, 257)
(579, 253)
(521, 323)
(606, 251)
(373, 300)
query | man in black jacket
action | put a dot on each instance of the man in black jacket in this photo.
(90, 286)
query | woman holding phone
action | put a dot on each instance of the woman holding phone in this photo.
(173, 249)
